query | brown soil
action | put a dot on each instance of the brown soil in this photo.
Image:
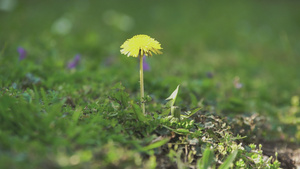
(288, 153)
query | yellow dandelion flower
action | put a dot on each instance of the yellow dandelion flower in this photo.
(140, 45)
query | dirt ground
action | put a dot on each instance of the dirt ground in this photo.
(288, 153)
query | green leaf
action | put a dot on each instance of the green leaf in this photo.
(194, 100)
(138, 112)
(172, 97)
(44, 97)
(156, 144)
(76, 114)
(229, 160)
(189, 114)
(206, 160)
(179, 130)
(166, 112)
(182, 131)
(120, 95)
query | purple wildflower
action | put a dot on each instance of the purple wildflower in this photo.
(22, 53)
(209, 75)
(109, 61)
(74, 62)
(146, 66)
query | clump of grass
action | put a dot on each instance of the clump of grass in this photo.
(92, 134)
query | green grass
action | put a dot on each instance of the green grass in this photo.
(89, 117)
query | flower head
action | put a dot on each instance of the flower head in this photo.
(140, 45)
(22, 53)
(74, 62)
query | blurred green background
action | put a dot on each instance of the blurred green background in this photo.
(197, 36)
(254, 44)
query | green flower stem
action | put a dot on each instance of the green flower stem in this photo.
(142, 83)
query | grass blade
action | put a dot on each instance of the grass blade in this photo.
(206, 160)
(229, 160)
(156, 144)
